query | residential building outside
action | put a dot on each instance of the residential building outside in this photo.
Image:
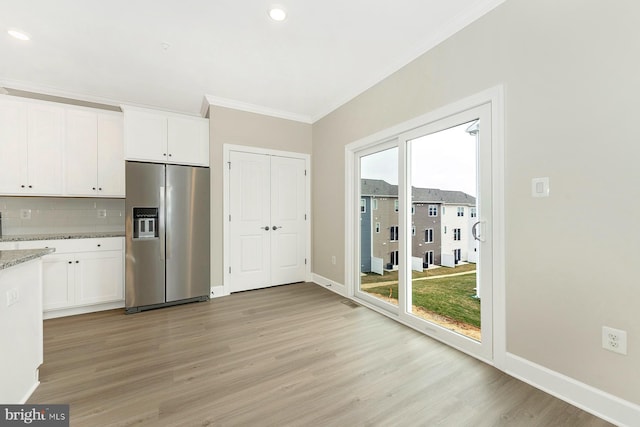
(441, 222)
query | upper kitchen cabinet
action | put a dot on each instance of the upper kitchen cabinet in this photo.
(32, 141)
(94, 154)
(160, 137)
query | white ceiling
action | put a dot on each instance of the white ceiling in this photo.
(323, 55)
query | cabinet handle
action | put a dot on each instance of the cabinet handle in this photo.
(22, 186)
(77, 262)
(31, 186)
(93, 188)
(99, 188)
(164, 154)
(99, 245)
(69, 262)
(170, 155)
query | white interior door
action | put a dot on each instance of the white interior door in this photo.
(288, 218)
(249, 221)
(267, 220)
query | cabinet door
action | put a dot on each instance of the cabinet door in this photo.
(58, 288)
(81, 153)
(13, 146)
(188, 141)
(45, 133)
(145, 136)
(111, 181)
(99, 277)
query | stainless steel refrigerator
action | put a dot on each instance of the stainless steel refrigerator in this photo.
(167, 235)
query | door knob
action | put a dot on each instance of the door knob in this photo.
(275, 228)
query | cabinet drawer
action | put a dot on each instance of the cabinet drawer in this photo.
(77, 245)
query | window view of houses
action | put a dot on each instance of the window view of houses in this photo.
(442, 286)
(441, 223)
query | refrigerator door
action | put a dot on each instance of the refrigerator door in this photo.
(144, 264)
(187, 236)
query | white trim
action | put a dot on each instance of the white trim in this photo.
(588, 398)
(226, 153)
(52, 314)
(31, 390)
(46, 90)
(257, 109)
(217, 292)
(333, 286)
(494, 97)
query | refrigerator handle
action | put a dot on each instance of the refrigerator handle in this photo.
(161, 224)
(167, 229)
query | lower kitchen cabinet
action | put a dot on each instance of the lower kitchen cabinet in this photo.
(77, 279)
(58, 282)
(98, 277)
(82, 276)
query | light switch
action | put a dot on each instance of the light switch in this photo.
(540, 187)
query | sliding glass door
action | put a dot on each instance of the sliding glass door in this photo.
(425, 211)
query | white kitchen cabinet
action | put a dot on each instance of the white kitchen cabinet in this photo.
(159, 137)
(98, 277)
(188, 140)
(59, 280)
(32, 138)
(111, 164)
(82, 275)
(45, 142)
(13, 137)
(94, 154)
(81, 153)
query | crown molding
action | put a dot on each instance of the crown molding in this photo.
(253, 108)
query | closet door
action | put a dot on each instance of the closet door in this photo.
(267, 223)
(288, 228)
(249, 222)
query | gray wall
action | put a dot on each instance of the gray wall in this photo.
(228, 126)
(571, 75)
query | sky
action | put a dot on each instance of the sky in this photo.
(444, 160)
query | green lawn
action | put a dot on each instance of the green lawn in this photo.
(451, 297)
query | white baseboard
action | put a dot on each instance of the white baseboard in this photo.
(217, 292)
(82, 310)
(31, 390)
(332, 285)
(590, 399)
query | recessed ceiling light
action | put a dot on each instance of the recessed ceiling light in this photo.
(277, 13)
(18, 34)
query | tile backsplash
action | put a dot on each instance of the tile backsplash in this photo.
(60, 215)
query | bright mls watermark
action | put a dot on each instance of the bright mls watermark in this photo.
(34, 415)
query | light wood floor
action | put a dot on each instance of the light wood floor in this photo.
(291, 355)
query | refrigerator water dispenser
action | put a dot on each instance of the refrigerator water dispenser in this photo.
(145, 223)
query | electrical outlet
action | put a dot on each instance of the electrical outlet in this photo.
(102, 213)
(614, 340)
(333, 260)
(25, 213)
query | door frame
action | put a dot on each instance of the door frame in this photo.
(226, 155)
(494, 97)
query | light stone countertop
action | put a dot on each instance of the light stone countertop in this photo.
(18, 256)
(62, 236)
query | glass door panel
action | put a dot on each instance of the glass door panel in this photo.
(444, 193)
(379, 227)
